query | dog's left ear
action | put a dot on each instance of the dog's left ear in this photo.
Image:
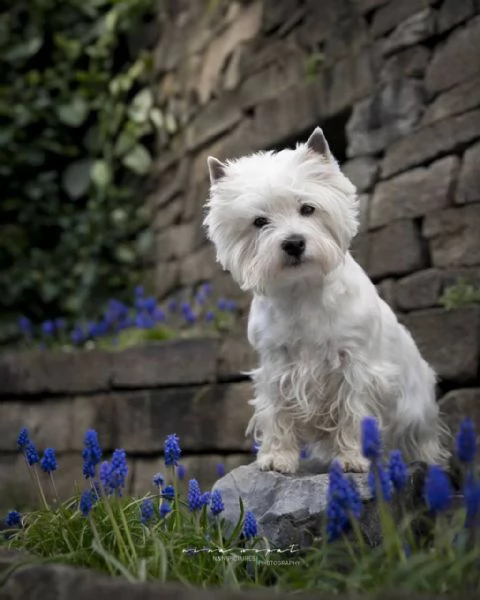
(318, 144)
(215, 168)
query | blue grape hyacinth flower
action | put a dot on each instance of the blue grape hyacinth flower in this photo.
(249, 529)
(379, 481)
(216, 503)
(91, 454)
(471, 493)
(371, 440)
(49, 461)
(397, 470)
(23, 439)
(181, 472)
(31, 454)
(13, 519)
(194, 496)
(165, 508)
(438, 489)
(343, 502)
(158, 480)
(466, 441)
(87, 500)
(220, 469)
(172, 451)
(168, 492)
(147, 511)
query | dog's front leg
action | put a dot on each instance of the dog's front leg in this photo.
(279, 450)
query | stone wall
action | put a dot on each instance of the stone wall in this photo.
(134, 399)
(396, 88)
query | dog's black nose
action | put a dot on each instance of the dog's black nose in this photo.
(294, 245)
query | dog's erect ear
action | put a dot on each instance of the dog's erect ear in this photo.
(215, 168)
(318, 144)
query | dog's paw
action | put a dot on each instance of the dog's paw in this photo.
(283, 462)
(354, 464)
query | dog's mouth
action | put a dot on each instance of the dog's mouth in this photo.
(295, 261)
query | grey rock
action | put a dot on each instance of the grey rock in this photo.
(453, 236)
(386, 291)
(428, 143)
(387, 17)
(452, 63)
(362, 172)
(469, 184)
(169, 214)
(410, 62)
(199, 266)
(452, 13)
(448, 340)
(216, 118)
(177, 241)
(419, 290)
(414, 30)
(166, 278)
(458, 404)
(460, 99)
(389, 113)
(395, 249)
(414, 193)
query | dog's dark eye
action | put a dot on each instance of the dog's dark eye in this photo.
(260, 222)
(306, 210)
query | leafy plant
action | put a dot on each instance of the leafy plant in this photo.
(78, 118)
(460, 294)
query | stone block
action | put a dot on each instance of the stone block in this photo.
(395, 249)
(199, 266)
(452, 63)
(452, 13)
(428, 143)
(469, 184)
(49, 423)
(460, 99)
(167, 277)
(453, 236)
(350, 79)
(42, 372)
(167, 185)
(205, 418)
(236, 357)
(449, 340)
(217, 117)
(362, 172)
(458, 404)
(410, 62)
(386, 291)
(367, 6)
(391, 112)
(414, 30)
(96, 412)
(364, 201)
(388, 16)
(169, 214)
(414, 193)
(419, 290)
(360, 249)
(177, 241)
(189, 361)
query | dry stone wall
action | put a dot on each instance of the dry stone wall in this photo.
(396, 88)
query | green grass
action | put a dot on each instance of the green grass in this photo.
(113, 539)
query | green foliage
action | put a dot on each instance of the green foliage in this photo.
(78, 116)
(313, 65)
(460, 294)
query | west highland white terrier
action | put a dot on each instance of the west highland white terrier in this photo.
(331, 350)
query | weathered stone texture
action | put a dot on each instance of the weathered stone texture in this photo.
(469, 183)
(362, 172)
(390, 15)
(395, 249)
(449, 340)
(414, 193)
(389, 113)
(427, 143)
(415, 29)
(453, 62)
(453, 236)
(419, 290)
(460, 99)
(458, 404)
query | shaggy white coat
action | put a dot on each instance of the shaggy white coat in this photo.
(331, 350)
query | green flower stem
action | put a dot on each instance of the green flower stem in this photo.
(116, 530)
(40, 488)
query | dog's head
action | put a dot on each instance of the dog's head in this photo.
(275, 217)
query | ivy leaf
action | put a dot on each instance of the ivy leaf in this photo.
(125, 254)
(101, 173)
(74, 113)
(140, 106)
(25, 49)
(138, 160)
(156, 116)
(76, 178)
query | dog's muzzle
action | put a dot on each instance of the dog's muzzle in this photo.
(294, 246)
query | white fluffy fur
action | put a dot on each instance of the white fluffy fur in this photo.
(331, 350)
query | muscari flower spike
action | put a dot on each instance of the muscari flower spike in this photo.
(147, 511)
(22, 439)
(397, 470)
(165, 508)
(181, 472)
(466, 441)
(158, 480)
(48, 327)
(87, 500)
(343, 502)
(91, 454)
(249, 529)
(371, 441)
(118, 471)
(194, 495)
(216, 503)
(31, 454)
(205, 498)
(379, 480)
(13, 519)
(168, 492)
(438, 489)
(471, 494)
(49, 461)
(172, 451)
(220, 469)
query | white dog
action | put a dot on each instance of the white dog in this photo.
(331, 350)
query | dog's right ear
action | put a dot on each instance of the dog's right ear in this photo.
(317, 143)
(215, 168)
